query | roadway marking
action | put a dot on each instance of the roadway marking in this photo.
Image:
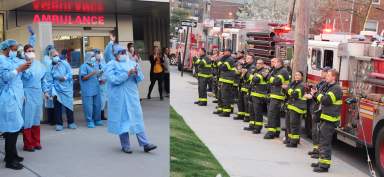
(277, 140)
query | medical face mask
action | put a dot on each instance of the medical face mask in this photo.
(22, 56)
(123, 58)
(56, 59)
(132, 49)
(12, 54)
(30, 55)
(93, 59)
(98, 57)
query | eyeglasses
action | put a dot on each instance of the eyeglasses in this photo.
(31, 51)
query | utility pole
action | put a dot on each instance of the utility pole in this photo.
(291, 11)
(301, 38)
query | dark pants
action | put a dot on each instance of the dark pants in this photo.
(292, 122)
(10, 146)
(241, 104)
(219, 100)
(214, 88)
(326, 132)
(166, 82)
(58, 114)
(202, 87)
(159, 78)
(51, 115)
(234, 94)
(274, 117)
(315, 131)
(209, 83)
(256, 113)
(246, 104)
(224, 100)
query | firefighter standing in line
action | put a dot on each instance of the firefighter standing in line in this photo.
(236, 75)
(331, 103)
(247, 68)
(297, 106)
(215, 61)
(226, 82)
(258, 95)
(276, 78)
(316, 112)
(205, 73)
(214, 73)
(240, 98)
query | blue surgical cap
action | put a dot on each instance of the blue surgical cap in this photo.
(7, 43)
(87, 57)
(118, 48)
(96, 50)
(53, 53)
(49, 47)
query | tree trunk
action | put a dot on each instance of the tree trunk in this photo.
(291, 12)
(301, 38)
(364, 22)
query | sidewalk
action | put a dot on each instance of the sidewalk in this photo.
(95, 152)
(240, 152)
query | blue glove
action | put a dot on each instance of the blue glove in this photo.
(31, 30)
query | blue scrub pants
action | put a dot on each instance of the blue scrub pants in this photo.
(59, 116)
(141, 137)
(92, 107)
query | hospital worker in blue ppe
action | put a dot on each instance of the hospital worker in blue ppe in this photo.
(49, 103)
(108, 50)
(20, 49)
(102, 81)
(11, 101)
(90, 90)
(34, 86)
(124, 109)
(60, 82)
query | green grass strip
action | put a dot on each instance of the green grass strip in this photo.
(189, 155)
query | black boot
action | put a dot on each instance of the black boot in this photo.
(256, 131)
(312, 152)
(224, 114)
(232, 111)
(315, 156)
(217, 112)
(250, 128)
(216, 107)
(202, 103)
(246, 119)
(286, 141)
(214, 101)
(238, 118)
(197, 102)
(103, 116)
(314, 164)
(268, 137)
(291, 145)
(320, 170)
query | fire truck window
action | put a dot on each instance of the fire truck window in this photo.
(316, 59)
(328, 58)
(234, 42)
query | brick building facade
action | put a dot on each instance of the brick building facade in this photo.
(375, 20)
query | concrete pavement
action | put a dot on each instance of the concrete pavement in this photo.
(240, 152)
(95, 152)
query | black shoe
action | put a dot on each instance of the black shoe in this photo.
(14, 165)
(291, 145)
(286, 141)
(217, 112)
(314, 164)
(161, 99)
(238, 118)
(215, 101)
(202, 104)
(256, 131)
(19, 159)
(149, 147)
(38, 147)
(268, 137)
(103, 116)
(231, 111)
(277, 135)
(197, 102)
(246, 119)
(315, 156)
(249, 128)
(224, 114)
(149, 97)
(320, 170)
(52, 123)
(283, 129)
(216, 107)
(209, 90)
(265, 125)
(312, 152)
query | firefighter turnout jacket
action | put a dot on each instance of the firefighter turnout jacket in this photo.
(276, 79)
(296, 100)
(226, 69)
(204, 64)
(331, 102)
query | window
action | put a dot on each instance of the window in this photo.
(189, 4)
(328, 58)
(316, 58)
(179, 4)
(196, 12)
(171, 8)
(371, 25)
(376, 2)
(196, 5)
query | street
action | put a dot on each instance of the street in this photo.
(210, 128)
(95, 152)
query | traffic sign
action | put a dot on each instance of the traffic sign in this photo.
(188, 23)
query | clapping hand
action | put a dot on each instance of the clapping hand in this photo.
(46, 96)
(308, 96)
(136, 53)
(244, 71)
(264, 74)
(136, 70)
(62, 79)
(131, 72)
(95, 72)
(284, 86)
(313, 91)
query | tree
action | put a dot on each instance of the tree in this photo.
(279, 9)
(358, 12)
(178, 14)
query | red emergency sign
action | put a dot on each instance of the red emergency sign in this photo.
(68, 19)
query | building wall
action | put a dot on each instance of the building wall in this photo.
(222, 10)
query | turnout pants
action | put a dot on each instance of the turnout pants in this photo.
(224, 97)
(315, 131)
(10, 146)
(234, 93)
(256, 113)
(214, 88)
(274, 117)
(241, 104)
(326, 132)
(292, 123)
(31, 137)
(246, 104)
(203, 89)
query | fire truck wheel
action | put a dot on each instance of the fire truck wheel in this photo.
(379, 152)
(308, 124)
(173, 59)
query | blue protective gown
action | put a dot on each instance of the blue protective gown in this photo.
(108, 52)
(46, 62)
(90, 92)
(11, 96)
(124, 109)
(63, 90)
(103, 87)
(34, 86)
